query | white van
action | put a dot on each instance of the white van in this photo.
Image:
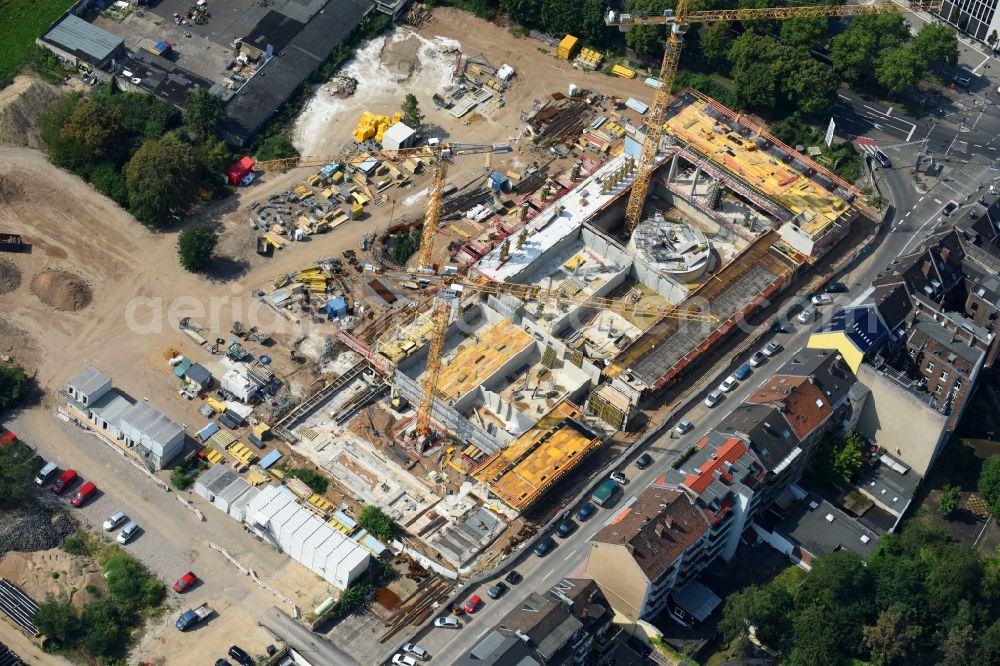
(45, 472)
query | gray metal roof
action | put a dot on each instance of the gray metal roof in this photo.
(151, 423)
(89, 380)
(111, 406)
(75, 35)
(821, 528)
(198, 374)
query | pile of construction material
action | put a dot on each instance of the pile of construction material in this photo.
(342, 86)
(318, 292)
(373, 126)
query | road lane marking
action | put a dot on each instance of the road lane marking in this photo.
(919, 200)
(938, 201)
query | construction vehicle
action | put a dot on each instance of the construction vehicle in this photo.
(527, 293)
(677, 21)
(443, 154)
(12, 243)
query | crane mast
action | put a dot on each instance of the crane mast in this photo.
(678, 19)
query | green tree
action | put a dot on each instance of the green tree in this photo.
(948, 502)
(992, 39)
(892, 640)
(957, 648)
(898, 68)
(716, 43)
(852, 53)
(106, 629)
(767, 609)
(840, 460)
(203, 112)
(16, 472)
(214, 156)
(161, 175)
(58, 620)
(757, 72)
(276, 147)
(377, 522)
(988, 485)
(195, 246)
(812, 88)
(806, 32)
(13, 385)
(110, 182)
(989, 645)
(411, 112)
(814, 642)
(93, 128)
(937, 43)
(316, 481)
(647, 39)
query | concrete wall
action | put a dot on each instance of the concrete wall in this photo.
(900, 422)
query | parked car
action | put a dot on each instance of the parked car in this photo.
(644, 461)
(543, 547)
(566, 528)
(497, 590)
(473, 604)
(585, 512)
(949, 208)
(964, 81)
(63, 482)
(111, 522)
(713, 398)
(447, 622)
(241, 655)
(47, 470)
(683, 427)
(223, 662)
(128, 533)
(513, 577)
(728, 384)
(416, 651)
(403, 660)
(836, 288)
(772, 348)
(185, 582)
(619, 478)
(757, 359)
(85, 492)
(806, 315)
(883, 159)
(821, 299)
(743, 372)
(192, 616)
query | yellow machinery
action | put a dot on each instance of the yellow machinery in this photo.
(527, 294)
(677, 21)
(443, 153)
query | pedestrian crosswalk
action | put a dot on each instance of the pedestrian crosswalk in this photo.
(865, 144)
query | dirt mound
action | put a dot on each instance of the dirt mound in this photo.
(21, 103)
(10, 277)
(33, 527)
(54, 572)
(61, 290)
(402, 56)
(11, 189)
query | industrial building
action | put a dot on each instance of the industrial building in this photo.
(138, 427)
(78, 42)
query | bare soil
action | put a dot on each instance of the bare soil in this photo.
(21, 105)
(61, 290)
(54, 572)
(10, 277)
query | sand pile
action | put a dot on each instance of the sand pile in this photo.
(10, 277)
(78, 578)
(21, 104)
(61, 290)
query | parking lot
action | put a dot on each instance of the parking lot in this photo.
(173, 541)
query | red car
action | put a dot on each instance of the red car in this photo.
(63, 482)
(185, 581)
(85, 492)
(473, 604)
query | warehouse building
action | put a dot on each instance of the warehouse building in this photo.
(76, 41)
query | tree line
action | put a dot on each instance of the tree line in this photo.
(141, 152)
(918, 599)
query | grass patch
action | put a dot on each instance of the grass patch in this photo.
(316, 481)
(24, 21)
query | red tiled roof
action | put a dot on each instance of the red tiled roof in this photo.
(657, 529)
(803, 404)
(731, 451)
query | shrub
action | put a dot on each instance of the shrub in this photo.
(377, 522)
(316, 481)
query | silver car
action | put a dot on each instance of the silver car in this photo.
(114, 521)
(127, 533)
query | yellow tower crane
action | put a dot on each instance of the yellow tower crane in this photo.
(526, 293)
(443, 153)
(678, 20)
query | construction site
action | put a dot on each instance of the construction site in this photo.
(460, 319)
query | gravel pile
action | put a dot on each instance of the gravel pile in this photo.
(33, 527)
(10, 276)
